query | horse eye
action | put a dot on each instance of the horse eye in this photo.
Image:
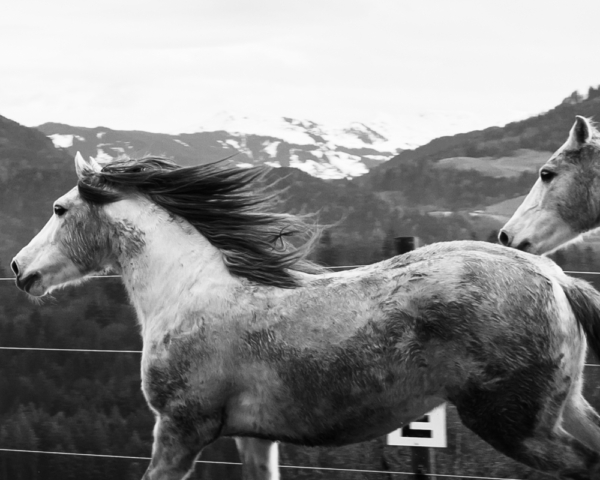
(60, 211)
(547, 175)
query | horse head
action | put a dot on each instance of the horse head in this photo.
(203, 214)
(565, 200)
(74, 243)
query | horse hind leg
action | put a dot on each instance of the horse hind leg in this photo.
(582, 421)
(553, 451)
(561, 454)
(260, 458)
(530, 435)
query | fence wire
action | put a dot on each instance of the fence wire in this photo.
(297, 467)
(339, 267)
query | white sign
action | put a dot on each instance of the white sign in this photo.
(430, 431)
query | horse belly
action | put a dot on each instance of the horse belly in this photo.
(362, 424)
(329, 413)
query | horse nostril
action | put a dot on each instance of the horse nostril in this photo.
(14, 266)
(27, 282)
(504, 239)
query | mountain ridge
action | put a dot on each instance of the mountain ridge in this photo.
(423, 174)
(302, 144)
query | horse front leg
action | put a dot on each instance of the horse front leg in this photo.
(177, 444)
(260, 458)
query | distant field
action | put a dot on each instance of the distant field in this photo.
(506, 208)
(522, 161)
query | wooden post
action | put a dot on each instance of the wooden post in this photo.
(419, 455)
(405, 244)
(420, 462)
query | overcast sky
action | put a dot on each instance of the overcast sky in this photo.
(168, 65)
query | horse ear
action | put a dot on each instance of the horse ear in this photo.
(82, 165)
(94, 164)
(580, 134)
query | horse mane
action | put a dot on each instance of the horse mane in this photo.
(225, 204)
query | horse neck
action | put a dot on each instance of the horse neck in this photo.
(176, 271)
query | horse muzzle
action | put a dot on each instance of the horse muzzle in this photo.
(508, 240)
(24, 282)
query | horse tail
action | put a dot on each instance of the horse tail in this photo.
(585, 303)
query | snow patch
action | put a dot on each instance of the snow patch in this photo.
(232, 143)
(339, 165)
(103, 157)
(273, 164)
(382, 158)
(349, 165)
(271, 148)
(181, 142)
(61, 141)
(64, 141)
(240, 147)
(100, 134)
(310, 166)
(244, 165)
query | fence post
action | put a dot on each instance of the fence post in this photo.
(405, 244)
(419, 455)
(420, 462)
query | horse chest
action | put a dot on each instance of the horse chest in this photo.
(180, 371)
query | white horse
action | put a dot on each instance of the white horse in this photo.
(244, 338)
(565, 200)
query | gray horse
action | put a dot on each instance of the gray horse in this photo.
(565, 200)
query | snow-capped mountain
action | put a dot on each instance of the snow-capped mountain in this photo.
(324, 152)
(299, 132)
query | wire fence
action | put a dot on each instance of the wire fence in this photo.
(295, 467)
(214, 462)
(336, 267)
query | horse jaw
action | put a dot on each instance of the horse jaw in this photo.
(541, 238)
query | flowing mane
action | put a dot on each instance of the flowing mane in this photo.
(225, 204)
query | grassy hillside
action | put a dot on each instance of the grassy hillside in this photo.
(480, 168)
(507, 166)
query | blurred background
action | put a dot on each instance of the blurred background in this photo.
(388, 118)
